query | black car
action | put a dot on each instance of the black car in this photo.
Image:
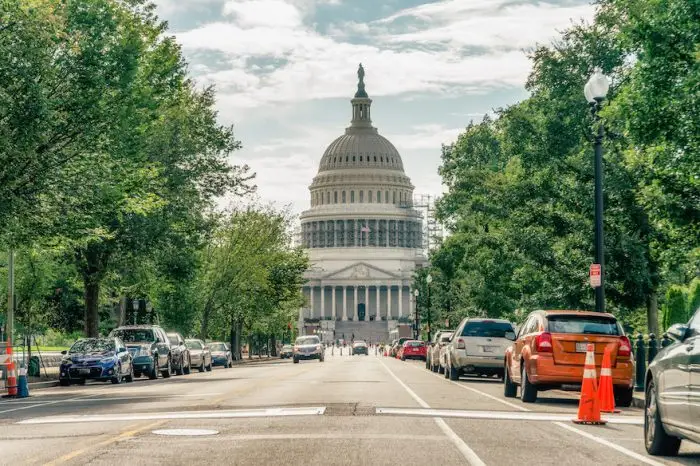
(181, 360)
(149, 347)
(96, 359)
(360, 347)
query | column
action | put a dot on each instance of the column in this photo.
(345, 303)
(323, 302)
(354, 312)
(401, 300)
(311, 301)
(367, 302)
(388, 302)
(379, 312)
(333, 301)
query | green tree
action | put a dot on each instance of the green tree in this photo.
(675, 308)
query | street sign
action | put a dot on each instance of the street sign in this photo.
(594, 275)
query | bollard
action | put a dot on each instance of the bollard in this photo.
(641, 364)
(11, 380)
(665, 341)
(653, 348)
(22, 384)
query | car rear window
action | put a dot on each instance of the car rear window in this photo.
(487, 328)
(415, 344)
(193, 344)
(173, 340)
(590, 325)
(308, 341)
(132, 335)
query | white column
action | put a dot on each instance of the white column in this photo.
(323, 301)
(311, 301)
(366, 302)
(333, 301)
(388, 302)
(345, 303)
(354, 312)
(401, 300)
(379, 312)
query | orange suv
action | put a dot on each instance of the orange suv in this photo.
(550, 351)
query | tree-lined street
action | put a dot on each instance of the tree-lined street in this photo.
(315, 413)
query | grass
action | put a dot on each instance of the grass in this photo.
(49, 348)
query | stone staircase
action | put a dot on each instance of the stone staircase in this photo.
(370, 331)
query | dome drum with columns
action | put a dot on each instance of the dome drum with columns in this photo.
(363, 237)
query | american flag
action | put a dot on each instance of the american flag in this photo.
(365, 229)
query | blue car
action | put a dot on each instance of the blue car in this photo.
(220, 354)
(96, 359)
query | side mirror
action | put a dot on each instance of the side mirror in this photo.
(677, 332)
(64, 352)
(510, 336)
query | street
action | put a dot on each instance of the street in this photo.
(346, 410)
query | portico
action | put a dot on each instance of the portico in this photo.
(345, 300)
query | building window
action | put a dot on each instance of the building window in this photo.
(369, 196)
(353, 158)
(335, 197)
(344, 199)
(328, 197)
(360, 158)
(394, 197)
(379, 197)
(386, 197)
(352, 197)
(375, 159)
(362, 196)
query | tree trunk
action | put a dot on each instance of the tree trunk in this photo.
(122, 311)
(653, 314)
(205, 320)
(273, 345)
(92, 296)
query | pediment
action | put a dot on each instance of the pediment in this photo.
(360, 271)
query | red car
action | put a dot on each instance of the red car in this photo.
(413, 349)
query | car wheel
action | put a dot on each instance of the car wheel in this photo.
(510, 390)
(130, 376)
(528, 392)
(188, 368)
(623, 397)
(168, 370)
(180, 367)
(209, 367)
(656, 440)
(137, 374)
(454, 373)
(64, 382)
(230, 363)
(154, 370)
(440, 369)
(446, 371)
(117, 379)
(296, 361)
(202, 368)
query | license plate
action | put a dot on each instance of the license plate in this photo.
(144, 368)
(488, 349)
(83, 371)
(581, 347)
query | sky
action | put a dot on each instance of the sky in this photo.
(285, 71)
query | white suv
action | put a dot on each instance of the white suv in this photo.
(478, 347)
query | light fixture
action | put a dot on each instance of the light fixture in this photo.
(429, 279)
(597, 86)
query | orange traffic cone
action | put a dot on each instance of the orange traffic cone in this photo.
(606, 396)
(588, 408)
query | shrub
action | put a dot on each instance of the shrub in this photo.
(675, 308)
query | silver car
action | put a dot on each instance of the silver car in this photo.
(441, 338)
(200, 355)
(307, 347)
(478, 347)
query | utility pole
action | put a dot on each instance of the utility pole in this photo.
(10, 321)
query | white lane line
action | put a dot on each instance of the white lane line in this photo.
(614, 446)
(225, 414)
(336, 436)
(500, 415)
(122, 398)
(42, 404)
(467, 452)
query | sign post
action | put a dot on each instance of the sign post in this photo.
(594, 275)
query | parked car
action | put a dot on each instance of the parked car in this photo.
(286, 352)
(478, 347)
(672, 385)
(360, 347)
(200, 355)
(181, 361)
(396, 346)
(550, 352)
(307, 347)
(413, 349)
(441, 338)
(149, 347)
(221, 354)
(96, 359)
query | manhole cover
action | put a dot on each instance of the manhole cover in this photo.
(185, 432)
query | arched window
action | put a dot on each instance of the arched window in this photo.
(347, 158)
(394, 197)
(352, 197)
(328, 197)
(369, 196)
(362, 196)
(360, 158)
(375, 158)
(379, 197)
(335, 197)
(353, 158)
(386, 197)
(344, 199)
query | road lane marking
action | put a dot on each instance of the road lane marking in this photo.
(222, 414)
(614, 446)
(463, 448)
(122, 398)
(500, 415)
(333, 436)
(42, 404)
(93, 446)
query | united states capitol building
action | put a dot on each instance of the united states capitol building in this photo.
(362, 234)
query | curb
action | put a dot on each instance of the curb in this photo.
(40, 385)
(638, 402)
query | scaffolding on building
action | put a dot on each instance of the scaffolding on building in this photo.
(433, 231)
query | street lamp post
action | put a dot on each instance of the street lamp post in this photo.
(417, 323)
(595, 91)
(429, 280)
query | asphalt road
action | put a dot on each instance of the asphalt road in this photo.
(348, 410)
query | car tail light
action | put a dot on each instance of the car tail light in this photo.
(460, 344)
(318, 347)
(296, 348)
(543, 342)
(625, 348)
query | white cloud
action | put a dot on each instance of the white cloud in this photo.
(429, 136)
(265, 13)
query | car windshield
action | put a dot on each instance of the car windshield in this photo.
(218, 347)
(173, 340)
(486, 328)
(590, 325)
(445, 337)
(307, 341)
(193, 344)
(134, 335)
(360, 343)
(92, 346)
